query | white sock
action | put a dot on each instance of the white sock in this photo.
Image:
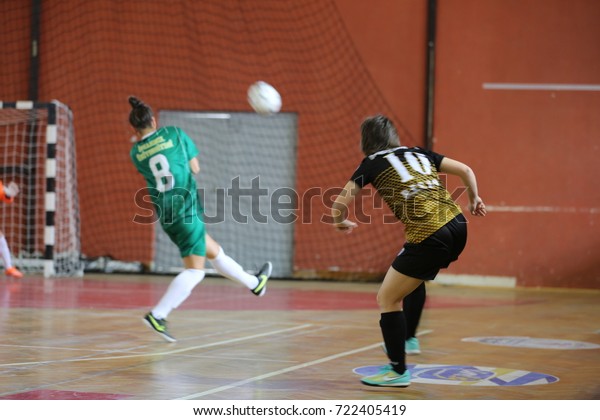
(178, 291)
(228, 267)
(5, 252)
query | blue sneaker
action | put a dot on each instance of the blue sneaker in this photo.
(411, 346)
(388, 377)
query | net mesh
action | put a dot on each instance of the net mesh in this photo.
(202, 56)
(42, 224)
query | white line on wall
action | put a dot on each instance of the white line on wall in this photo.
(541, 209)
(541, 86)
(476, 280)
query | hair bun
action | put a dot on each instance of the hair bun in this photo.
(135, 102)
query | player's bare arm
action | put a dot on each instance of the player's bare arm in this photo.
(194, 165)
(467, 176)
(339, 209)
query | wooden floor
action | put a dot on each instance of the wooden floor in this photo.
(84, 339)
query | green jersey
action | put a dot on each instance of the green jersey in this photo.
(163, 160)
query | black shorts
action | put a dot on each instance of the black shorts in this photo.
(425, 259)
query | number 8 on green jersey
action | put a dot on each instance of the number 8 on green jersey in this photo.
(163, 158)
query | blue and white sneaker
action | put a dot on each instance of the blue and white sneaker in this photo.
(411, 346)
(387, 376)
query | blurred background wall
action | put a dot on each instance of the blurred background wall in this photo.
(516, 98)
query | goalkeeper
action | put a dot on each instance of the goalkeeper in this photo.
(166, 157)
(8, 194)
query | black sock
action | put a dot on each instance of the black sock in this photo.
(413, 308)
(393, 329)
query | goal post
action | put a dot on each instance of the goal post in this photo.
(37, 152)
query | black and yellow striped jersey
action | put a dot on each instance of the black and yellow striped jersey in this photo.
(407, 179)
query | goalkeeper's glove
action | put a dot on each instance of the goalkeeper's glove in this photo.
(11, 190)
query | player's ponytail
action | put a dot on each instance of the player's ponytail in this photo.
(141, 115)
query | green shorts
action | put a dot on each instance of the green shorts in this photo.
(188, 234)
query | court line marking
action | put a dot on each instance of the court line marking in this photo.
(278, 372)
(142, 346)
(164, 353)
(140, 349)
(541, 86)
(21, 346)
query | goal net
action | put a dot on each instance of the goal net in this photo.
(37, 152)
(308, 52)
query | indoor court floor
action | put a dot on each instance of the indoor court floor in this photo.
(84, 339)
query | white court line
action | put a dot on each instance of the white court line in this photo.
(278, 372)
(138, 348)
(541, 86)
(164, 353)
(541, 209)
(20, 346)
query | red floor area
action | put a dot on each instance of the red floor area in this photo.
(111, 294)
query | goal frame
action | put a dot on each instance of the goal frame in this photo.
(49, 258)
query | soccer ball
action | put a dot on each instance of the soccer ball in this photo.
(264, 98)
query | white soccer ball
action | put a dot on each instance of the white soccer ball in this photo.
(264, 98)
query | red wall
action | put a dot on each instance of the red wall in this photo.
(533, 151)
(14, 40)
(336, 62)
(390, 37)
